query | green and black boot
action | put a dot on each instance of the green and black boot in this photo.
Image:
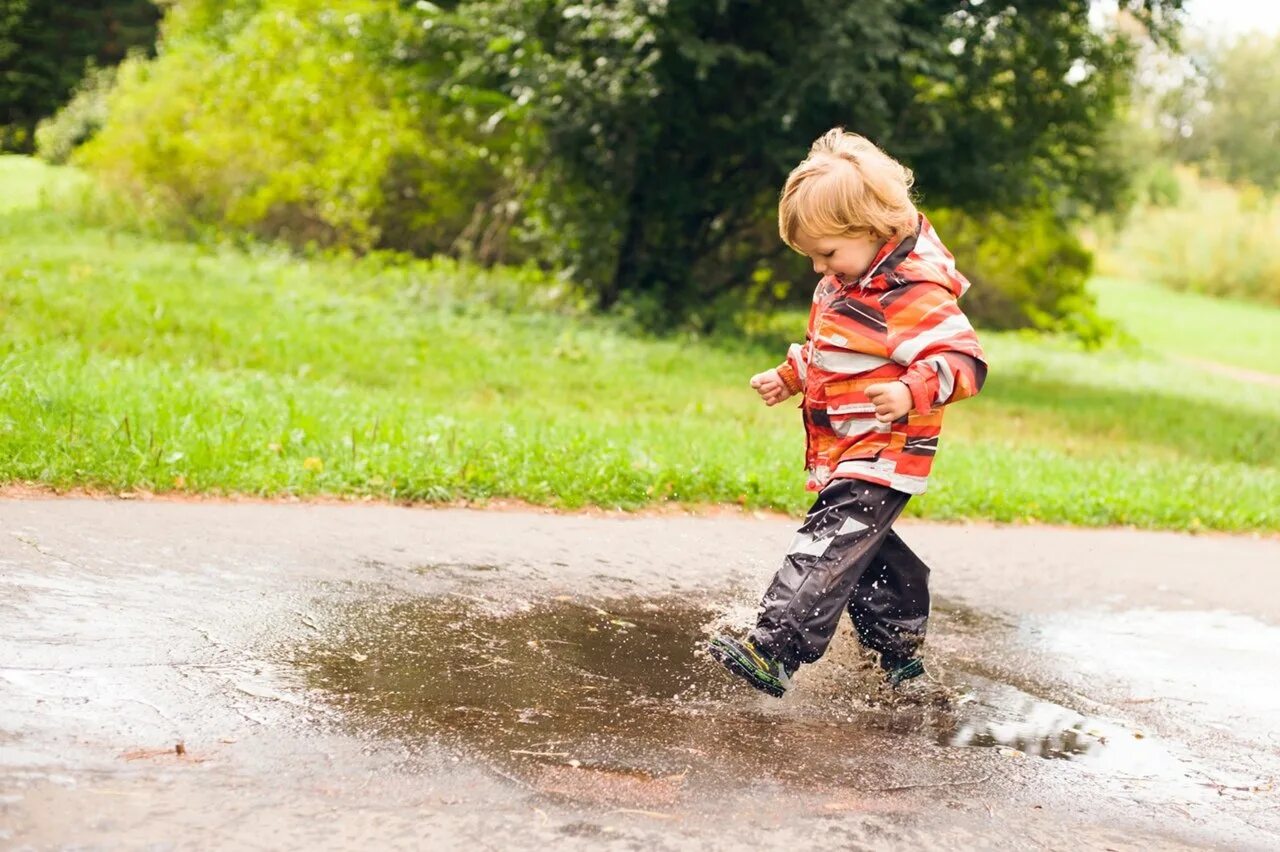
(898, 674)
(747, 662)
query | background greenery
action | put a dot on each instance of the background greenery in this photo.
(1208, 237)
(46, 46)
(637, 147)
(128, 362)
(526, 249)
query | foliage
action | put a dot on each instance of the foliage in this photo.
(636, 145)
(668, 125)
(79, 119)
(293, 121)
(1027, 270)
(44, 47)
(128, 363)
(1214, 239)
(1226, 118)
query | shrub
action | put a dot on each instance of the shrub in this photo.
(638, 146)
(292, 120)
(1216, 239)
(83, 116)
(668, 126)
(1028, 270)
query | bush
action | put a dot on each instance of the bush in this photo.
(77, 122)
(1028, 270)
(291, 120)
(1216, 239)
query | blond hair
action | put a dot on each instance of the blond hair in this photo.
(847, 186)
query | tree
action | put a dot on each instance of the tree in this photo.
(660, 130)
(44, 48)
(1227, 118)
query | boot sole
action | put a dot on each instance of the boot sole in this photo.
(732, 659)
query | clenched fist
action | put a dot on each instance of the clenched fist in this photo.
(891, 399)
(770, 387)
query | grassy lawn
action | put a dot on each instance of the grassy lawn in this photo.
(1189, 325)
(131, 363)
(25, 182)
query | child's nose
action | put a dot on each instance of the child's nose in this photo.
(819, 267)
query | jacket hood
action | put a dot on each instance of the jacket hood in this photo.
(918, 259)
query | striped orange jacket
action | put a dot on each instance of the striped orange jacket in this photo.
(899, 322)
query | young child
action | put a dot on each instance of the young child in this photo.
(887, 347)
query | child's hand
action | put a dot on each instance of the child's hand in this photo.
(891, 399)
(770, 387)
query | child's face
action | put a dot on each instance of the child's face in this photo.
(846, 257)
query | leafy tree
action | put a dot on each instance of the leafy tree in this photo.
(1227, 117)
(660, 130)
(44, 48)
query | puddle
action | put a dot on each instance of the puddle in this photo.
(614, 701)
(618, 687)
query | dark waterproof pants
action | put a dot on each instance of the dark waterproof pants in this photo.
(846, 556)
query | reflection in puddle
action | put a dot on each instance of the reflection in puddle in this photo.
(1001, 716)
(1041, 729)
(614, 702)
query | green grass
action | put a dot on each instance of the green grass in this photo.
(132, 363)
(26, 183)
(1190, 325)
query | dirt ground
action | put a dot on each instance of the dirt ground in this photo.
(256, 675)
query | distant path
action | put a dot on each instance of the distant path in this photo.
(1231, 372)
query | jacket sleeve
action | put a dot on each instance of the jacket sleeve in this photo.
(932, 338)
(795, 369)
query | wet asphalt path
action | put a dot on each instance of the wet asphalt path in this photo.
(371, 676)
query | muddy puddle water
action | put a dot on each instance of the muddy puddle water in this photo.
(618, 687)
(615, 701)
